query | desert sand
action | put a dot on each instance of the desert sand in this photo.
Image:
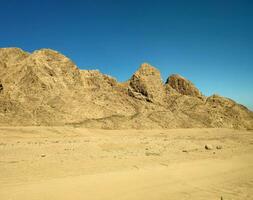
(51, 163)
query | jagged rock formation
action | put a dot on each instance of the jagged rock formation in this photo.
(47, 88)
(146, 84)
(183, 86)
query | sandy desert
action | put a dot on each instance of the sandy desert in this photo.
(126, 100)
(50, 163)
(68, 133)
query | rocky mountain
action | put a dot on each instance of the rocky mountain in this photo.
(47, 88)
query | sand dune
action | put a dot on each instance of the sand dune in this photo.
(75, 163)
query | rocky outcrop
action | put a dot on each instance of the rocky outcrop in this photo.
(94, 79)
(12, 55)
(146, 84)
(47, 88)
(183, 86)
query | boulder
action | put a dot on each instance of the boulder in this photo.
(208, 147)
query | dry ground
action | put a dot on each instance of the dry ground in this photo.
(51, 163)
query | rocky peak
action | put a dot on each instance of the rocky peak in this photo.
(183, 86)
(47, 88)
(146, 84)
(95, 79)
(56, 65)
(52, 58)
(44, 70)
(12, 55)
(217, 100)
(49, 55)
(147, 70)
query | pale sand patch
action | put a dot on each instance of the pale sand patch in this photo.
(69, 163)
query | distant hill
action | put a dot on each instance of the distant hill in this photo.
(47, 88)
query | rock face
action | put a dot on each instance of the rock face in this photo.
(96, 80)
(47, 88)
(183, 86)
(146, 84)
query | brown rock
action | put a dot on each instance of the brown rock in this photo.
(1, 87)
(208, 147)
(47, 88)
(183, 86)
(146, 84)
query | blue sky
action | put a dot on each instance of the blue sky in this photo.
(208, 42)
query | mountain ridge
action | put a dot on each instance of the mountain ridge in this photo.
(46, 88)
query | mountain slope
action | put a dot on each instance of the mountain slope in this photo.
(47, 88)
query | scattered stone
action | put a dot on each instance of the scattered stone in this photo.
(1, 87)
(43, 155)
(218, 147)
(208, 147)
(185, 151)
(152, 154)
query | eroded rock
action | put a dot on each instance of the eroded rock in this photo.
(183, 86)
(146, 84)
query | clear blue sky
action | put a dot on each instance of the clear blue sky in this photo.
(208, 42)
